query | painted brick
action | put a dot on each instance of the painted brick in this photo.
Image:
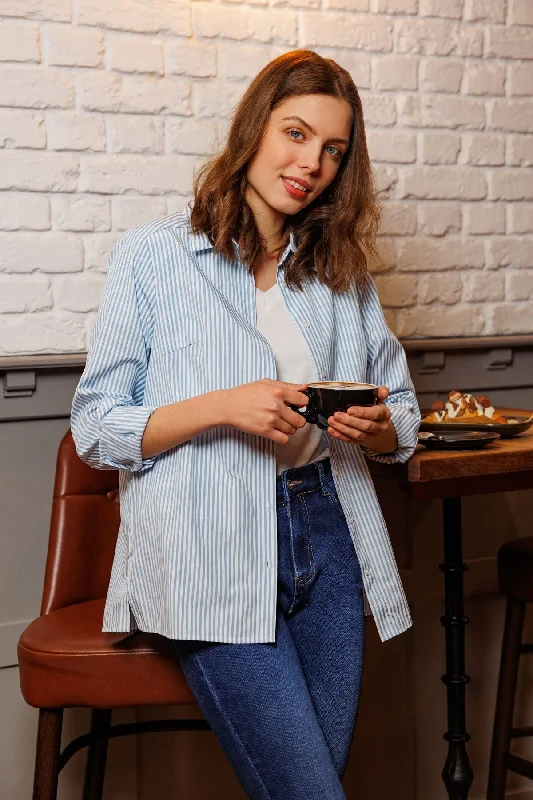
(520, 79)
(485, 11)
(128, 212)
(215, 99)
(135, 134)
(73, 131)
(54, 10)
(38, 172)
(521, 12)
(439, 147)
(481, 79)
(519, 286)
(97, 247)
(419, 254)
(520, 151)
(398, 147)
(511, 251)
(441, 288)
(434, 37)
(20, 294)
(439, 219)
(442, 183)
(263, 25)
(47, 332)
(143, 174)
(131, 15)
(32, 252)
(512, 115)
(510, 184)
(509, 42)
(81, 213)
(441, 76)
(510, 318)
(482, 149)
(378, 109)
(441, 111)
(392, 73)
(345, 30)
(452, 9)
(101, 91)
(22, 129)
(398, 219)
(484, 219)
(396, 291)
(484, 287)
(71, 46)
(130, 53)
(345, 5)
(396, 6)
(81, 293)
(238, 61)
(191, 136)
(19, 41)
(431, 322)
(191, 58)
(521, 218)
(24, 211)
(35, 87)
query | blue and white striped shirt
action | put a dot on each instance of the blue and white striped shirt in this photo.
(196, 555)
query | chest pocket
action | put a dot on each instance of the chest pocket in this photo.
(175, 373)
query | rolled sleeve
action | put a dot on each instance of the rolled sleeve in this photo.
(108, 415)
(387, 366)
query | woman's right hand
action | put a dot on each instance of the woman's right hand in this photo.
(261, 407)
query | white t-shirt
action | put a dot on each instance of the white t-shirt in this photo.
(294, 364)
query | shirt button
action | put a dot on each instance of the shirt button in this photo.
(367, 572)
(336, 473)
(323, 374)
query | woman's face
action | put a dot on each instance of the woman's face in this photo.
(305, 140)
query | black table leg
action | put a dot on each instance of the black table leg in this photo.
(457, 773)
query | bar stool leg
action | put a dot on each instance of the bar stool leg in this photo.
(93, 785)
(503, 718)
(47, 754)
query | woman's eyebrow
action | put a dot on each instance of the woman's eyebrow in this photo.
(309, 128)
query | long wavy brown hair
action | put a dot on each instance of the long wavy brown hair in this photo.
(336, 233)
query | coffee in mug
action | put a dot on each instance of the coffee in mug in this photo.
(327, 397)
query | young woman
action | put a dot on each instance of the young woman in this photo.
(247, 536)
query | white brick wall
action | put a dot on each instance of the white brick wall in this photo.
(108, 106)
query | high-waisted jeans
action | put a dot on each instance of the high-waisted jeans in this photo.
(284, 712)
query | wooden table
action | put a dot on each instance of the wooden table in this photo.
(503, 466)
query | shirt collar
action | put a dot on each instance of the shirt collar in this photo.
(200, 241)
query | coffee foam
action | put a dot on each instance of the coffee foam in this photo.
(341, 385)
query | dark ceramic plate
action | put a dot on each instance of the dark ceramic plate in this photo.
(506, 430)
(462, 440)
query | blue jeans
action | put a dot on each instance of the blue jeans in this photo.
(284, 712)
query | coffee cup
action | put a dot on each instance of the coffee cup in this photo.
(327, 397)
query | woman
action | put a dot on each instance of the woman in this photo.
(247, 535)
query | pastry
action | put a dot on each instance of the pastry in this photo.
(465, 408)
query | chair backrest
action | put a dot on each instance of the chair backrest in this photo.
(83, 531)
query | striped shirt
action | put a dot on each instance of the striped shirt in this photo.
(196, 554)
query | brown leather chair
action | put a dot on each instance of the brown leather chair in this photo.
(515, 578)
(64, 658)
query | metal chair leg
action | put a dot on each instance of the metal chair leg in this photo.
(47, 754)
(93, 784)
(503, 719)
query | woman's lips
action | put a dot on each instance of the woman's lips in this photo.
(292, 190)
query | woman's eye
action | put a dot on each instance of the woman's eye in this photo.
(293, 131)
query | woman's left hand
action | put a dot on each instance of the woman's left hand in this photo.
(362, 424)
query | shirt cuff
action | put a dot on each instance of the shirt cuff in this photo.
(406, 424)
(122, 432)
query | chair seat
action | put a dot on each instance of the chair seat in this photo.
(66, 660)
(515, 569)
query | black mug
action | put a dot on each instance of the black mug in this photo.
(327, 397)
